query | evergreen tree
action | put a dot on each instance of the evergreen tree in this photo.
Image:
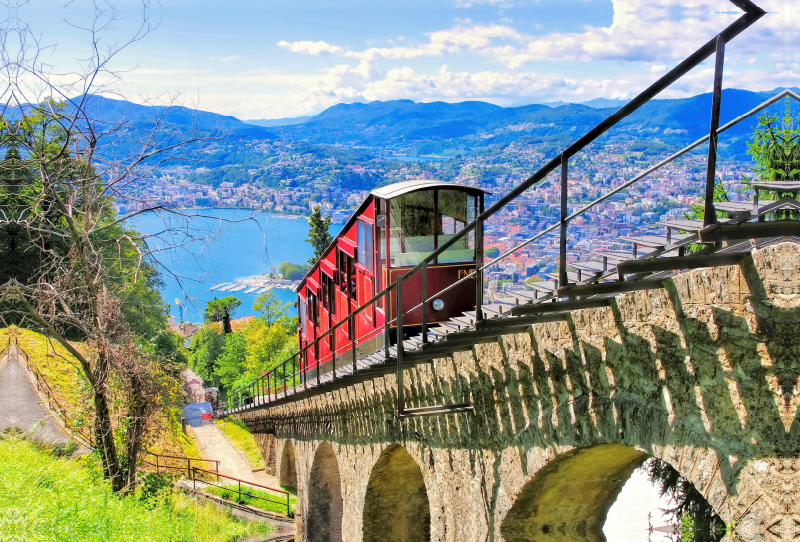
(318, 234)
(221, 310)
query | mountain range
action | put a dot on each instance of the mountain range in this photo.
(466, 125)
(447, 129)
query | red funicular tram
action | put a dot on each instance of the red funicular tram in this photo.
(391, 232)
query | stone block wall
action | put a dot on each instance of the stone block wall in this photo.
(703, 374)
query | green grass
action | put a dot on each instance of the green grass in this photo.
(258, 503)
(237, 433)
(61, 371)
(47, 497)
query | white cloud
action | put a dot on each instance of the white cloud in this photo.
(229, 58)
(644, 40)
(470, 3)
(641, 31)
(312, 47)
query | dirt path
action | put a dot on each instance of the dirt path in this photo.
(215, 446)
(211, 440)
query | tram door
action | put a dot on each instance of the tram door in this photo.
(326, 314)
(345, 289)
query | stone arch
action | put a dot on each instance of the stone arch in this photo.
(288, 474)
(396, 507)
(269, 453)
(569, 498)
(325, 506)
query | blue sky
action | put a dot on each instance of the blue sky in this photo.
(282, 58)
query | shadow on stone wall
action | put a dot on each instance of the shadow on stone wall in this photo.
(702, 374)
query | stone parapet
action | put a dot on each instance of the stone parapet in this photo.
(702, 374)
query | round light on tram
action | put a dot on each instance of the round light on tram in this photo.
(437, 304)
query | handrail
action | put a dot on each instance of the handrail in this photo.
(239, 490)
(187, 459)
(751, 14)
(52, 402)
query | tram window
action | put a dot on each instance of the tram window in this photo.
(365, 247)
(313, 310)
(351, 274)
(302, 316)
(411, 237)
(331, 295)
(343, 271)
(456, 210)
(327, 293)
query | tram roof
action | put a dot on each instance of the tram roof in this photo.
(398, 189)
(389, 192)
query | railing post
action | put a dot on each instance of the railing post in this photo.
(194, 480)
(316, 357)
(386, 314)
(353, 337)
(333, 355)
(562, 242)
(189, 466)
(400, 391)
(709, 213)
(424, 272)
(478, 271)
(355, 358)
(304, 373)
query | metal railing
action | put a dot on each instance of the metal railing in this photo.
(265, 389)
(238, 488)
(53, 404)
(166, 463)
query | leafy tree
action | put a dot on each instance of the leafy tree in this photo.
(221, 310)
(292, 271)
(775, 146)
(318, 234)
(268, 347)
(228, 366)
(492, 252)
(205, 348)
(69, 266)
(264, 344)
(272, 310)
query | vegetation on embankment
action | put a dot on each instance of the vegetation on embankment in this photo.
(71, 390)
(242, 439)
(250, 496)
(48, 497)
(232, 360)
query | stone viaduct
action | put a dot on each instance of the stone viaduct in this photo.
(702, 373)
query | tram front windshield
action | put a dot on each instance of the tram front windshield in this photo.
(422, 221)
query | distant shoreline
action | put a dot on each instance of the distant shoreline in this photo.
(291, 214)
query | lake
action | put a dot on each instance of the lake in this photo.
(212, 246)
